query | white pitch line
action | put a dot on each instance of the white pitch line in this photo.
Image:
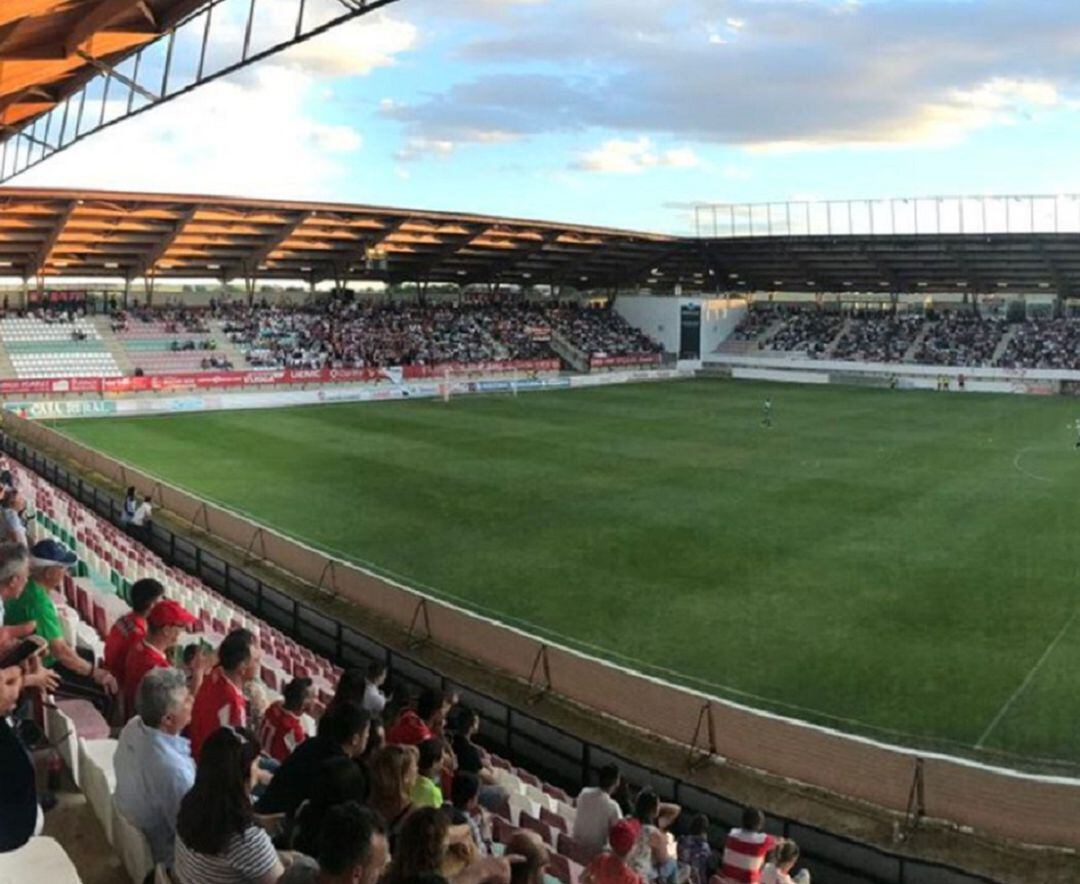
(1027, 680)
(1028, 473)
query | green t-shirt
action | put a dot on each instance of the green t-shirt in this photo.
(34, 604)
(426, 794)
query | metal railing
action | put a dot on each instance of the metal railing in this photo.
(934, 215)
(217, 39)
(558, 756)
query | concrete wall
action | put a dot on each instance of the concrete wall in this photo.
(658, 317)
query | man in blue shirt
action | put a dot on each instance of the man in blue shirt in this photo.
(154, 769)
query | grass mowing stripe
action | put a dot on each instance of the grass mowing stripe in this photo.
(875, 560)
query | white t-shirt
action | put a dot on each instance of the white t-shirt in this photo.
(597, 812)
(142, 514)
(374, 699)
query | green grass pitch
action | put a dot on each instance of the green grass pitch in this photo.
(898, 564)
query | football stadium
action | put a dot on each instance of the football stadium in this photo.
(501, 539)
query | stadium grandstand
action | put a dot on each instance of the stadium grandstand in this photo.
(651, 623)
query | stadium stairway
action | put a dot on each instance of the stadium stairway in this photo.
(226, 348)
(835, 342)
(93, 597)
(7, 370)
(1003, 344)
(909, 353)
(108, 337)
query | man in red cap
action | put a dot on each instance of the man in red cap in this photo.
(167, 621)
(610, 866)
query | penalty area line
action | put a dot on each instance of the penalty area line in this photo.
(1027, 680)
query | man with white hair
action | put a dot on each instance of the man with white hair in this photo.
(79, 677)
(153, 763)
(14, 571)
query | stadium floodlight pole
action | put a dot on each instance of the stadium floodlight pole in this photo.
(715, 222)
(768, 216)
(787, 216)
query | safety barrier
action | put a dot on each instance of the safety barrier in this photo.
(1000, 802)
(559, 756)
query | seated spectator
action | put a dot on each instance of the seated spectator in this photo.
(597, 811)
(338, 780)
(654, 856)
(128, 630)
(413, 724)
(217, 839)
(745, 849)
(426, 791)
(342, 733)
(393, 777)
(778, 869)
(374, 699)
(535, 857)
(11, 508)
(168, 621)
(611, 866)
(153, 764)
(696, 852)
(79, 675)
(464, 808)
(429, 849)
(472, 758)
(14, 572)
(18, 799)
(220, 699)
(352, 850)
(282, 729)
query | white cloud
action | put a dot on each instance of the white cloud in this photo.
(630, 157)
(418, 148)
(355, 48)
(246, 138)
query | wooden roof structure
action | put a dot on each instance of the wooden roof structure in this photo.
(56, 233)
(51, 234)
(51, 48)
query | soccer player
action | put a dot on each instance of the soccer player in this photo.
(766, 412)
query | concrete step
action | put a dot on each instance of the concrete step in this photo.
(909, 354)
(835, 342)
(114, 345)
(999, 350)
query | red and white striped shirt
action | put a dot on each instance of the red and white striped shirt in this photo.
(744, 855)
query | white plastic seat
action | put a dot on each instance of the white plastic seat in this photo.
(99, 779)
(132, 846)
(40, 859)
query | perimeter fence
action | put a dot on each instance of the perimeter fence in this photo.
(551, 752)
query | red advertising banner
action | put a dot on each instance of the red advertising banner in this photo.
(617, 361)
(210, 380)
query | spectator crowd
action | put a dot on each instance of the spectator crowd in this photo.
(344, 333)
(955, 337)
(230, 784)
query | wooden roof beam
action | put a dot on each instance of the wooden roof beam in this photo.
(250, 264)
(41, 257)
(155, 254)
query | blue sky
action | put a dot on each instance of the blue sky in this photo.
(622, 112)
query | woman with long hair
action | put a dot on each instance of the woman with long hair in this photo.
(393, 774)
(653, 855)
(217, 839)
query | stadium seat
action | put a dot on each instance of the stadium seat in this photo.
(42, 860)
(99, 779)
(132, 846)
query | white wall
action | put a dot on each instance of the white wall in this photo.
(658, 317)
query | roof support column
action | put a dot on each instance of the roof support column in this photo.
(149, 281)
(249, 285)
(127, 290)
